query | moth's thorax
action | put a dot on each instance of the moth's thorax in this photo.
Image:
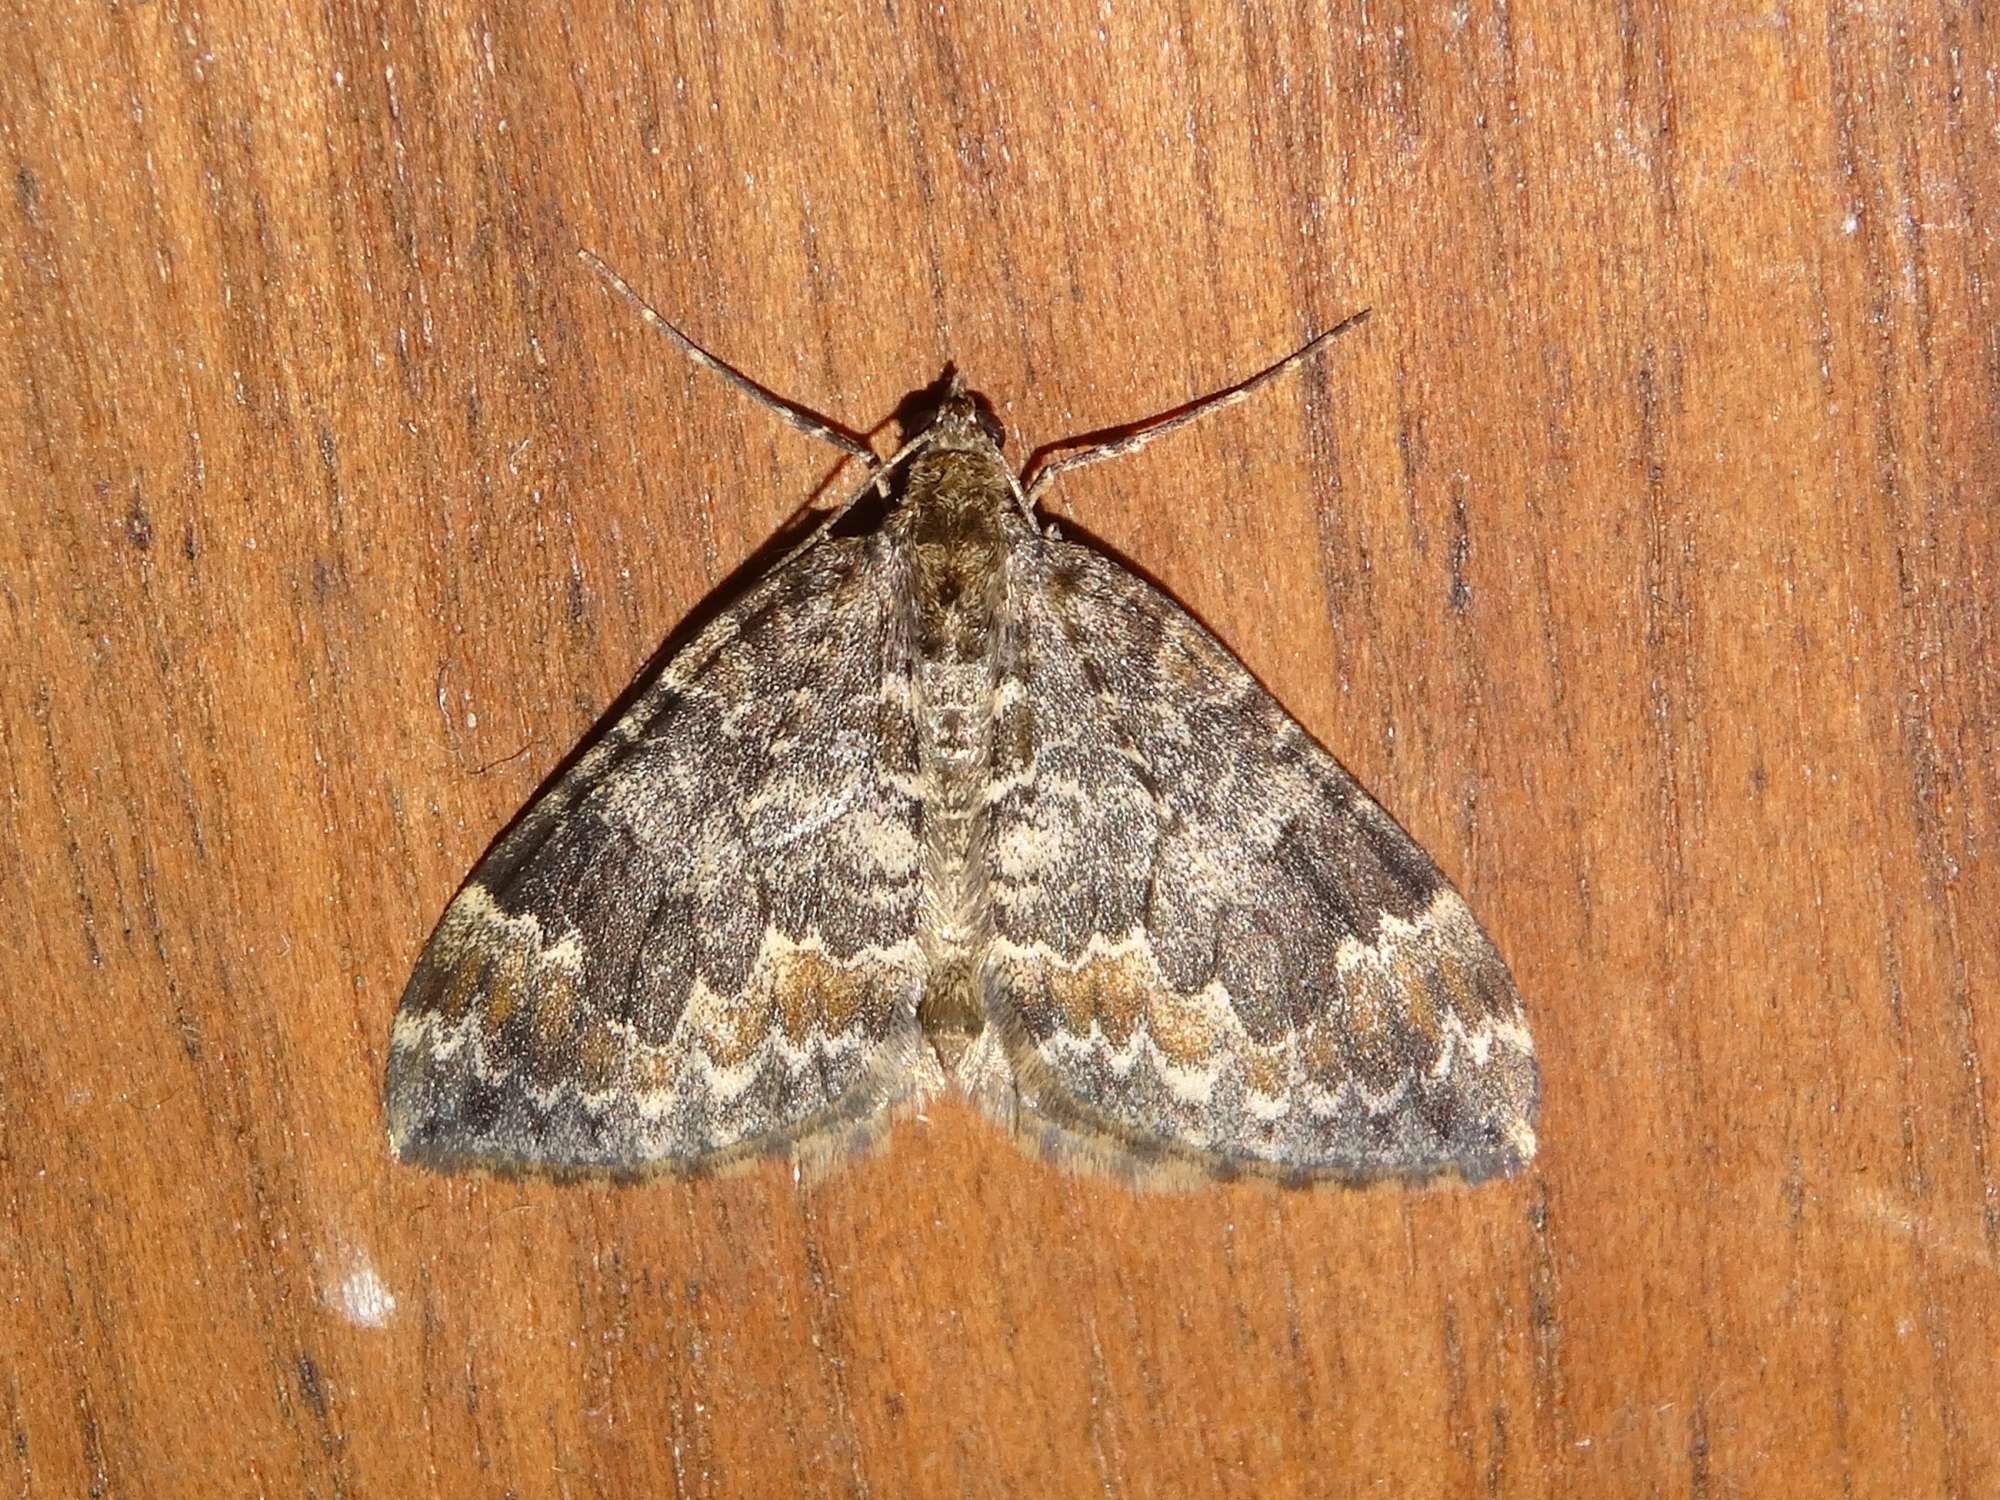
(958, 492)
(956, 524)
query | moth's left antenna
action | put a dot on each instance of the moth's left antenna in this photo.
(787, 411)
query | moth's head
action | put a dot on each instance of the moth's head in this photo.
(955, 418)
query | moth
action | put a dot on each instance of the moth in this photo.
(957, 804)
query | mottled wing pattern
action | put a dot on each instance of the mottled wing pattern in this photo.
(1211, 947)
(700, 944)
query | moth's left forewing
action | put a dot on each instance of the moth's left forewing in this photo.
(1212, 950)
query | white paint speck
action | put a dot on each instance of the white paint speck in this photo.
(365, 1300)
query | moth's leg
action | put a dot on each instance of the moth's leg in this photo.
(1023, 499)
(1132, 436)
(877, 480)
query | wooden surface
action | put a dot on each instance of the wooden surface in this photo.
(1640, 555)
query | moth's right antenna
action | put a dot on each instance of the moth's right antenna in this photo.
(1133, 436)
(787, 411)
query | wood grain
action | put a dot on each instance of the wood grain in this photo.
(1640, 554)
